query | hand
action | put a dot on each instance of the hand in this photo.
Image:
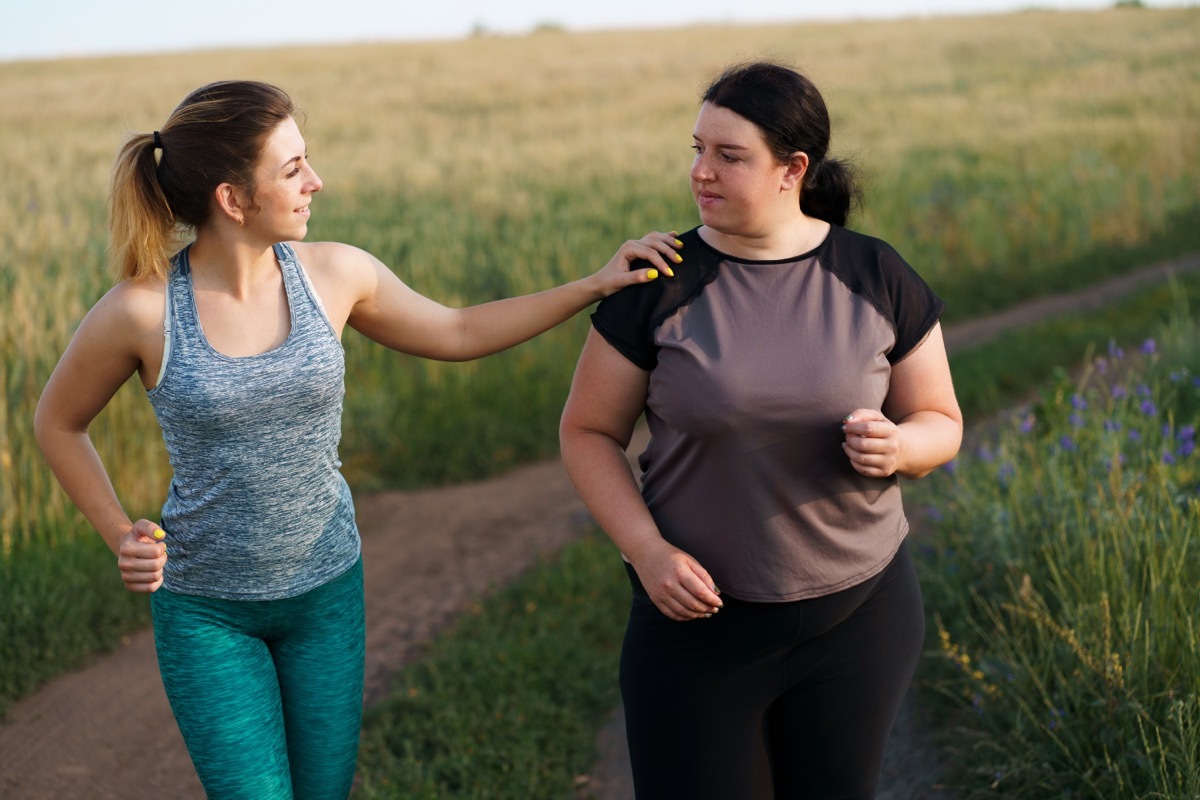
(141, 556)
(872, 443)
(657, 248)
(680, 587)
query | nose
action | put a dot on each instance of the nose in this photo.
(314, 181)
(700, 169)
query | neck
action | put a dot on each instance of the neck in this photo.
(772, 243)
(230, 265)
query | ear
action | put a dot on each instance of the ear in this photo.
(231, 202)
(797, 168)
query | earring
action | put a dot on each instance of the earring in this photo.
(241, 222)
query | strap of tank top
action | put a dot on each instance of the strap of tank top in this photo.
(166, 351)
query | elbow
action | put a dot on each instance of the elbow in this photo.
(42, 426)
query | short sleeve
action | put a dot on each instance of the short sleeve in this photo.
(623, 319)
(873, 268)
(627, 320)
(915, 307)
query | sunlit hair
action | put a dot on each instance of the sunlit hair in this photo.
(214, 136)
(791, 114)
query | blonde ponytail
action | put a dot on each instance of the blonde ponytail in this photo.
(142, 231)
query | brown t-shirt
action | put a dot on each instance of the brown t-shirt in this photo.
(753, 365)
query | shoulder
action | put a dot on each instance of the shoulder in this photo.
(139, 303)
(864, 250)
(336, 258)
(126, 323)
(337, 269)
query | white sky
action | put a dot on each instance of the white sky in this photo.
(54, 28)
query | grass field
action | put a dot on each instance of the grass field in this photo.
(1006, 157)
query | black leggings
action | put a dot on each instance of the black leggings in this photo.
(770, 701)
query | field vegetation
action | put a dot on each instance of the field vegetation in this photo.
(1006, 157)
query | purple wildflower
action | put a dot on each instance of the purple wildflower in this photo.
(1115, 351)
(1149, 347)
(1119, 392)
(1148, 408)
(1005, 473)
(1067, 444)
(1078, 402)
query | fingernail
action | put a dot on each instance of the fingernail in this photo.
(847, 418)
(678, 243)
(651, 274)
(707, 614)
(678, 258)
(159, 533)
(670, 272)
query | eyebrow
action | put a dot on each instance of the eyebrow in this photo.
(725, 146)
(287, 163)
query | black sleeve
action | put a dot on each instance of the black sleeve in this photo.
(874, 268)
(914, 306)
(627, 320)
(623, 319)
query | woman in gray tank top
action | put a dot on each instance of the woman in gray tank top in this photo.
(237, 339)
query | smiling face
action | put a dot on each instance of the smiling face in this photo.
(738, 184)
(284, 185)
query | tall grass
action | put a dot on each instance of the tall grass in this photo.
(1005, 156)
(1061, 578)
(506, 705)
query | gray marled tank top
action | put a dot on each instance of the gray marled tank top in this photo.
(257, 508)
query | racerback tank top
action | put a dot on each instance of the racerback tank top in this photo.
(257, 508)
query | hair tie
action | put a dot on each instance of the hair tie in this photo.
(157, 141)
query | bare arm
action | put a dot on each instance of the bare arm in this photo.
(103, 354)
(607, 396)
(920, 426)
(389, 312)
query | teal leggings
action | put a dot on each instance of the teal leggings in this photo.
(267, 694)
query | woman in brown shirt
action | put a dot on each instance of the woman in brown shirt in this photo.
(789, 374)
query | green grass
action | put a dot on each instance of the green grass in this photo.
(1009, 370)
(506, 705)
(1060, 583)
(61, 603)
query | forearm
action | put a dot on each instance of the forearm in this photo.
(600, 471)
(929, 439)
(77, 466)
(491, 327)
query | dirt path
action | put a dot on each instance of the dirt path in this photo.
(106, 732)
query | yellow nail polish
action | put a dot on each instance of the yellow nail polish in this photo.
(678, 258)
(670, 272)
(159, 533)
(651, 274)
(678, 243)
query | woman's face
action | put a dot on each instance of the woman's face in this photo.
(284, 185)
(737, 182)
